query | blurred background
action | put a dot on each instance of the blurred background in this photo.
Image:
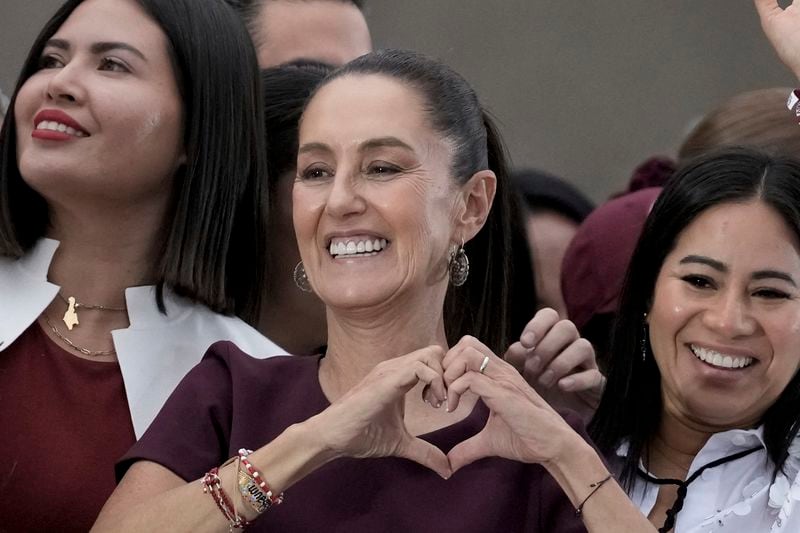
(584, 90)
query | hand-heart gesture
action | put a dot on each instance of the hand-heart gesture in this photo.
(521, 425)
(368, 421)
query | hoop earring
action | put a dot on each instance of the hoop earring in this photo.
(645, 336)
(458, 265)
(301, 279)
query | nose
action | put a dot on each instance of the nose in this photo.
(345, 197)
(729, 315)
(65, 85)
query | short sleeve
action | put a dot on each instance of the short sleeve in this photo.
(190, 435)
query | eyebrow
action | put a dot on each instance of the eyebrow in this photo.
(313, 147)
(380, 142)
(97, 48)
(383, 142)
(721, 267)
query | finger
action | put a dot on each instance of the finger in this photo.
(474, 382)
(427, 455)
(432, 379)
(767, 8)
(537, 328)
(591, 380)
(467, 355)
(468, 451)
(516, 356)
(467, 341)
(560, 336)
(576, 357)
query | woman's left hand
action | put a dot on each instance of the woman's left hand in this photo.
(521, 425)
(553, 357)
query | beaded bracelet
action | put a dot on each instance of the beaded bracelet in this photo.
(258, 483)
(595, 487)
(213, 486)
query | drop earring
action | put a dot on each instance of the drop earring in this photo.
(300, 278)
(458, 265)
(644, 341)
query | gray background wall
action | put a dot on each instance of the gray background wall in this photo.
(583, 89)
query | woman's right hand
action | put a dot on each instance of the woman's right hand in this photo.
(782, 27)
(368, 421)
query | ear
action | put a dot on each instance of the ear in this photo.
(477, 195)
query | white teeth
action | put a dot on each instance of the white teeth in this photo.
(354, 248)
(57, 126)
(721, 360)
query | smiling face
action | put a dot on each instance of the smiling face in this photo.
(376, 210)
(725, 319)
(102, 116)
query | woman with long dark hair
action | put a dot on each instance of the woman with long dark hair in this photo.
(700, 417)
(131, 222)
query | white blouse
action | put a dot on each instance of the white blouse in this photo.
(738, 496)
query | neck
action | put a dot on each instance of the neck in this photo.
(101, 254)
(675, 445)
(357, 341)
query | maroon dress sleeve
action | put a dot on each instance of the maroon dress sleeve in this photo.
(190, 435)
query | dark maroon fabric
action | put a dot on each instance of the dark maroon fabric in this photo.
(65, 423)
(231, 400)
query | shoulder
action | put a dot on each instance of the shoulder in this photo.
(242, 367)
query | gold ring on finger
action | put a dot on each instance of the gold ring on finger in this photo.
(484, 364)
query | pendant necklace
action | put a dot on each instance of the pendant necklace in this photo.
(70, 318)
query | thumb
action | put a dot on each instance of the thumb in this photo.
(427, 455)
(468, 451)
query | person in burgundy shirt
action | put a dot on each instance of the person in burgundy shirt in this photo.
(120, 194)
(400, 177)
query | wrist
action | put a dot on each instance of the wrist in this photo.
(576, 467)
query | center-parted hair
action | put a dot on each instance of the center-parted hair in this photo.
(632, 404)
(213, 243)
(480, 306)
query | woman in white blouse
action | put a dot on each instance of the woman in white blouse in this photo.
(700, 413)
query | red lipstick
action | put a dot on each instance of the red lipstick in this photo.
(55, 115)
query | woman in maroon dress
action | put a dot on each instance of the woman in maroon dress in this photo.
(400, 211)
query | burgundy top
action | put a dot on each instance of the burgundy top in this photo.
(231, 401)
(65, 421)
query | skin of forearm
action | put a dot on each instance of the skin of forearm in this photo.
(609, 510)
(294, 454)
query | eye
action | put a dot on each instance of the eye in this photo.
(699, 282)
(771, 294)
(111, 64)
(50, 61)
(382, 169)
(314, 173)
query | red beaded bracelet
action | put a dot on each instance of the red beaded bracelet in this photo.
(213, 486)
(259, 480)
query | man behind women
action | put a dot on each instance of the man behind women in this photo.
(330, 31)
(131, 219)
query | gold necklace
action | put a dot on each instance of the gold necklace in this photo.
(84, 351)
(71, 315)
